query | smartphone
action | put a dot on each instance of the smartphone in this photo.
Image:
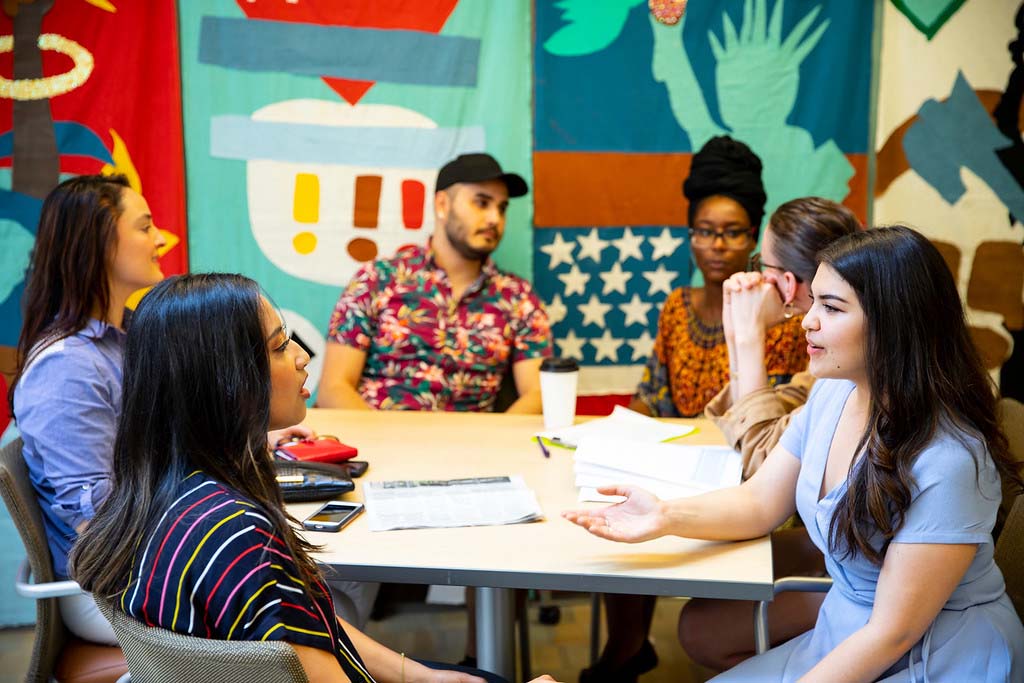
(332, 516)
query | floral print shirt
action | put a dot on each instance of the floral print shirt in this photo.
(690, 361)
(425, 350)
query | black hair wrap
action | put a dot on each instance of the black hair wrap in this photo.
(729, 168)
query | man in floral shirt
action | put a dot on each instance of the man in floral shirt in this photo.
(437, 327)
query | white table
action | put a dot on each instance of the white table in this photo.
(552, 554)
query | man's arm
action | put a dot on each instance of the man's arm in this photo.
(343, 366)
(526, 374)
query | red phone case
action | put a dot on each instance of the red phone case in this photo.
(321, 449)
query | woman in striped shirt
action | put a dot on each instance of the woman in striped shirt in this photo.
(194, 537)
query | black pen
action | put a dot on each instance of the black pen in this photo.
(543, 449)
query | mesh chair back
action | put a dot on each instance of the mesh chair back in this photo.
(20, 498)
(1010, 555)
(156, 655)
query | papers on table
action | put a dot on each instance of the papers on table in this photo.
(667, 470)
(480, 501)
(623, 423)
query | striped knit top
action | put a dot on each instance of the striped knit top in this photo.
(214, 567)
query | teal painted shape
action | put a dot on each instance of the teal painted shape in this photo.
(757, 76)
(72, 138)
(590, 26)
(17, 247)
(928, 16)
(955, 134)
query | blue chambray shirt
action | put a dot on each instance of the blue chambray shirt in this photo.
(66, 404)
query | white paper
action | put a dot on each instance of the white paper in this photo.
(666, 470)
(623, 423)
(480, 501)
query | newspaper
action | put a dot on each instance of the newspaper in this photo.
(482, 501)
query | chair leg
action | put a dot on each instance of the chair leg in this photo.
(595, 627)
(526, 671)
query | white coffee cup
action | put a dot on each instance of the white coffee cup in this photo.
(558, 380)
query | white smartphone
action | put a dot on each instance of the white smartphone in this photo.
(332, 516)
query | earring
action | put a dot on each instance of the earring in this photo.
(788, 310)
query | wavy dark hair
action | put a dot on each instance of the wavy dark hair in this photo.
(196, 397)
(803, 227)
(925, 375)
(66, 279)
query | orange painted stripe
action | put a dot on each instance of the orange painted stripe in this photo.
(605, 189)
(609, 188)
(367, 201)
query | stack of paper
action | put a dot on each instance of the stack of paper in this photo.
(623, 423)
(480, 501)
(667, 470)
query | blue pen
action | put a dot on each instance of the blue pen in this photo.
(545, 451)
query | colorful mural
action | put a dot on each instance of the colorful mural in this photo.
(623, 100)
(311, 157)
(951, 159)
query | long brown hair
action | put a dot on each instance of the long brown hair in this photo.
(925, 375)
(67, 272)
(196, 397)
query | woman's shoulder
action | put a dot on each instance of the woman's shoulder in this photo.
(215, 507)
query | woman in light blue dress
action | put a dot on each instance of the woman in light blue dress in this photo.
(894, 465)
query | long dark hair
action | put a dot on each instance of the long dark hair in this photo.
(67, 272)
(803, 227)
(924, 373)
(196, 396)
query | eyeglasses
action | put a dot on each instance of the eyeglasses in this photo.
(756, 264)
(735, 238)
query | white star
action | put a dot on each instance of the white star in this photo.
(594, 311)
(660, 279)
(664, 244)
(575, 281)
(642, 346)
(556, 310)
(559, 251)
(629, 245)
(636, 311)
(591, 246)
(571, 346)
(615, 279)
(606, 347)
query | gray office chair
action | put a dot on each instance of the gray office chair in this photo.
(156, 655)
(56, 654)
(1009, 551)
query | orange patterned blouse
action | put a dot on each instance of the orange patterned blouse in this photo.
(690, 361)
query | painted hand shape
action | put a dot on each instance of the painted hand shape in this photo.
(758, 65)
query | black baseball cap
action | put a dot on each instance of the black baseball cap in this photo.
(476, 168)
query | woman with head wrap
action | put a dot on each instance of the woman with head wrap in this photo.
(690, 361)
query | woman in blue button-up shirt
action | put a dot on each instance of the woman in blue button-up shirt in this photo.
(95, 246)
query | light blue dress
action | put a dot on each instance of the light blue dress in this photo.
(977, 636)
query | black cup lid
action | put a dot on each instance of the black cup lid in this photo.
(559, 365)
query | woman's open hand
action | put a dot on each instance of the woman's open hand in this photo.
(638, 518)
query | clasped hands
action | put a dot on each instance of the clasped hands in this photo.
(750, 305)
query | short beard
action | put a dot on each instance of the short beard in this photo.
(460, 245)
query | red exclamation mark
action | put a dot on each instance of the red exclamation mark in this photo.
(413, 194)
